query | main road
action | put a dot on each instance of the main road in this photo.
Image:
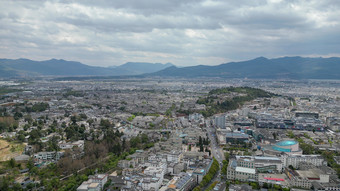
(216, 151)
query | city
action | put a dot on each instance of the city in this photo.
(154, 134)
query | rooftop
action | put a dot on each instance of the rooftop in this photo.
(245, 170)
(286, 143)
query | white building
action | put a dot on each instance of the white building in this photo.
(154, 175)
(149, 183)
(259, 162)
(242, 174)
(295, 160)
(99, 178)
(48, 156)
(174, 156)
(95, 183)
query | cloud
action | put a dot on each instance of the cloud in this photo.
(184, 32)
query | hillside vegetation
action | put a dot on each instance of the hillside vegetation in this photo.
(230, 98)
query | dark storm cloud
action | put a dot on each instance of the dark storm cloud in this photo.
(185, 32)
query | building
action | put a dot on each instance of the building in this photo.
(117, 182)
(242, 174)
(295, 160)
(48, 156)
(303, 122)
(278, 179)
(235, 172)
(304, 178)
(158, 172)
(236, 138)
(94, 187)
(134, 160)
(333, 123)
(268, 164)
(195, 117)
(94, 183)
(101, 179)
(318, 186)
(201, 169)
(79, 144)
(289, 147)
(260, 163)
(150, 183)
(220, 122)
(247, 168)
(306, 114)
(182, 182)
(174, 156)
(243, 123)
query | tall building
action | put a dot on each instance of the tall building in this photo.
(220, 122)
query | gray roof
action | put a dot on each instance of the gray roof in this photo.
(181, 182)
(237, 135)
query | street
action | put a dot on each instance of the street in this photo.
(215, 148)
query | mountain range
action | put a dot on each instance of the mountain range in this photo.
(277, 68)
(29, 68)
(260, 68)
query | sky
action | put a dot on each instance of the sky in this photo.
(183, 32)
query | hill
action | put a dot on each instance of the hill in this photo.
(30, 68)
(25, 67)
(226, 99)
(277, 68)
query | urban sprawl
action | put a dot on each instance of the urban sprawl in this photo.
(169, 134)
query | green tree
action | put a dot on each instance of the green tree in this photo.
(12, 163)
(201, 148)
(307, 149)
(4, 183)
(74, 119)
(134, 142)
(265, 185)
(144, 138)
(30, 164)
(53, 144)
(255, 185)
(105, 123)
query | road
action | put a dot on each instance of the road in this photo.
(216, 151)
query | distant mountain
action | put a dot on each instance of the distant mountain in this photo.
(25, 67)
(277, 68)
(136, 68)
(29, 68)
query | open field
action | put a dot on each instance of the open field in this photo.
(9, 150)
